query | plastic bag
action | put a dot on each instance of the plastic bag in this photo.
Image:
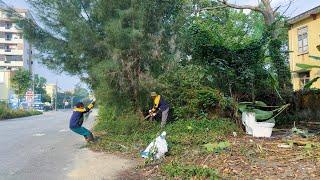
(157, 148)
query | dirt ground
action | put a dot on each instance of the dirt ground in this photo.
(283, 156)
(99, 166)
(251, 158)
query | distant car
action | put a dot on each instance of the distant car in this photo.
(24, 106)
(39, 106)
(47, 108)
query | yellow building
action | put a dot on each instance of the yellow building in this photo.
(51, 90)
(304, 41)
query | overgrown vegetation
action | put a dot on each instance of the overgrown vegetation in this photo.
(185, 138)
(202, 58)
(130, 134)
(6, 113)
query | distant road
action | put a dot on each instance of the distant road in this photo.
(42, 147)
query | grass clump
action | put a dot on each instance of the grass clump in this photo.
(178, 170)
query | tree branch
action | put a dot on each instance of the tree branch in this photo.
(276, 9)
(212, 8)
(288, 6)
(253, 8)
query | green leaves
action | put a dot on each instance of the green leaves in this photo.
(177, 170)
(306, 66)
(315, 57)
(310, 83)
(21, 81)
(309, 67)
(261, 115)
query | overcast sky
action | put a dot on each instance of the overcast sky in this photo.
(67, 82)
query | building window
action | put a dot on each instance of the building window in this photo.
(304, 78)
(8, 37)
(14, 58)
(303, 40)
(2, 57)
(8, 25)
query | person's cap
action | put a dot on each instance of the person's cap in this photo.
(153, 94)
(79, 104)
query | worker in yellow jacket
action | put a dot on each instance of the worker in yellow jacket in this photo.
(76, 120)
(159, 105)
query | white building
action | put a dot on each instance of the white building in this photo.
(15, 52)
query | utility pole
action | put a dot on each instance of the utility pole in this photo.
(33, 92)
(71, 102)
(56, 96)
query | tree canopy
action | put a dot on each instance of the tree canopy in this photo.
(125, 49)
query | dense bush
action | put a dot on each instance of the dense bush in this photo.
(187, 90)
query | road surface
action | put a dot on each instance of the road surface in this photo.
(42, 147)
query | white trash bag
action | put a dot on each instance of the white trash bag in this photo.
(157, 148)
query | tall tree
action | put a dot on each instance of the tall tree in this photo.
(80, 93)
(39, 84)
(21, 82)
(40, 87)
(113, 45)
(273, 23)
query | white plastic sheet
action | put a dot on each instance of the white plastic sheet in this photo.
(157, 148)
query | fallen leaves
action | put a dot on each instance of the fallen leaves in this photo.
(244, 157)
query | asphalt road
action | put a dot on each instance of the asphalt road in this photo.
(42, 147)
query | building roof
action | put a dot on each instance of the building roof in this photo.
(304, 15)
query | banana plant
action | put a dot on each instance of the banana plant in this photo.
(308, 67)
(262, 115)
(315, 57)
(275, 84)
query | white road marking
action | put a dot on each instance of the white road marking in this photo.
(63, 130)
(39, 134)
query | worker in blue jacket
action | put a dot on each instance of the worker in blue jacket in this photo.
(76, 120)
(159, 106)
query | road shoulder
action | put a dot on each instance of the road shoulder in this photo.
(88, 164)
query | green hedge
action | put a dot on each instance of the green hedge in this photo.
(6, 113)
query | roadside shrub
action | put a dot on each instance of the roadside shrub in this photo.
(6, 113)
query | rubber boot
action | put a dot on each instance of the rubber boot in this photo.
(90, 138)
(86, 138)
